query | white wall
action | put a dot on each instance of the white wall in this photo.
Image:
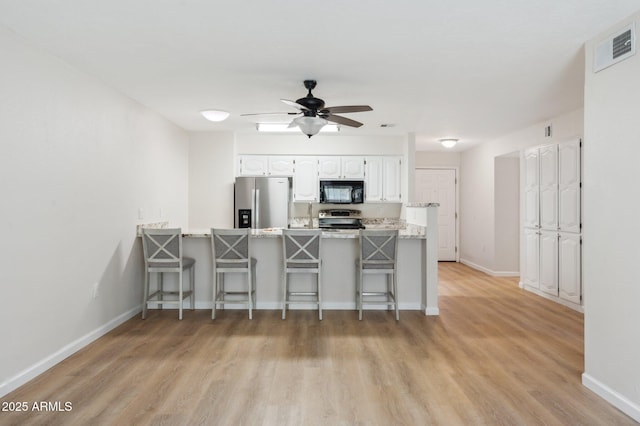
(611, 226)
(212, 162)
(77, 162)
(507, 215)
(211, 179)
(477, 192)
(437, 159)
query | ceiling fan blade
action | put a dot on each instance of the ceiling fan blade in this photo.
(347, 108)
(295, 105)
(270, 113)
(341, 120)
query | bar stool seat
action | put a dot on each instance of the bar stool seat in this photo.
(378, 255)
(163, 254)
(301, 253)
(231, 251)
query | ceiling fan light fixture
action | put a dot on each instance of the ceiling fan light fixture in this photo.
(310, 125)
(215, 114)
(286, 128)
(448, 143)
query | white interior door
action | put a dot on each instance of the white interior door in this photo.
(439, 186)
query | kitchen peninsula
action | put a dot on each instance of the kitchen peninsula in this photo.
(417, 264)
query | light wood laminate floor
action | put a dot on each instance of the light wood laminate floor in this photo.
(495, 355)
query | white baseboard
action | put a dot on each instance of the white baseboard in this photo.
(578, 308)
(43, 365)
(336, 306)
(431, 311)
(490, 271)
(612, 397)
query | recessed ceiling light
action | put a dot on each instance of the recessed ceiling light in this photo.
(214, 115)
(448, 143)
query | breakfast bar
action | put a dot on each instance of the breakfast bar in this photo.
(417, 264)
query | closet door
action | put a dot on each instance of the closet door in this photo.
(549, 187)
(531, 188)
(569, 186)
(549, 262)
(531, 264)
(570, 265)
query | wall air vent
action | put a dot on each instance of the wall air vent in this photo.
(615, 48)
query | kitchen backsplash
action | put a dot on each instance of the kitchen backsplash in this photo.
(369, 210)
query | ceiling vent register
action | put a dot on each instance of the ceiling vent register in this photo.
(615, 48)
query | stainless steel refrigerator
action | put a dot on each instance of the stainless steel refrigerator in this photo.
(262, 202)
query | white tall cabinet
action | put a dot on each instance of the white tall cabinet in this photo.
(552, 243)
(383, 179)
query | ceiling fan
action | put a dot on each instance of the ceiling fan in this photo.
(312, 115)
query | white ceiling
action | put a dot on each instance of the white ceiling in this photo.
(469, 69)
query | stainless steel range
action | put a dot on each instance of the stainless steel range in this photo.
(340, 219)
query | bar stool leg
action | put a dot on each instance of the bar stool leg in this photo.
(286, 290)
(319, 294)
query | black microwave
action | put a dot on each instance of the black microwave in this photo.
(341, 191)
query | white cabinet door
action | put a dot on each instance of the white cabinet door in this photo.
(549, 187)
(336, 167)
(305, 179)
(281, 165)
(392, 179)
(549, 262)
(373, 179)
(531, 258)
(254, 165)
(570, 263)
(531, 188)
(329, 167)
(353, 168)
(569, 186)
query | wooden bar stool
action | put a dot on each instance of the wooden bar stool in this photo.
(378, 255)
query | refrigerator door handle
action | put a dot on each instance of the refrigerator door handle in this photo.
(257, 209)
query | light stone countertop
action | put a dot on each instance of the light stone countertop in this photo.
(405, 232)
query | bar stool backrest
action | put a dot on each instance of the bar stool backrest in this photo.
(231, 247)
(162, 247)
(301, 247)
(378, 249)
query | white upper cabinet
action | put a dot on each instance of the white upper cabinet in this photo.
(305, 179)
(392, 179)
(264, 165)
(253, 165)
(335, 167)
(329, 167)
(281, 165)
(549, 187)
(569, 186)
(352, 168)
(383, 179)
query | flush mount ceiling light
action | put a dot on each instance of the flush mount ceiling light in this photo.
(288, 128)
(448, 143)
(214, 115)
